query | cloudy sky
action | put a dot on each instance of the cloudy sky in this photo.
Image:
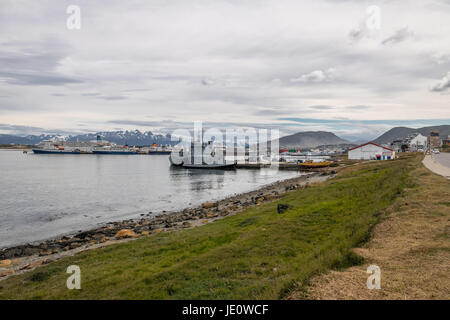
(160, 64)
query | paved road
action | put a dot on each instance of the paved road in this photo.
(438, 163)
(443, 159)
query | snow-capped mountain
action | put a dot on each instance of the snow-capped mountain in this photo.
(132, 138)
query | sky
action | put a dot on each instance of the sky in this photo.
(353, 67)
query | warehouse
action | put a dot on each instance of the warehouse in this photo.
(371, 151)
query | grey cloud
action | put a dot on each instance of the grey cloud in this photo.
(207, 82)
(326, 107)
(19, 129)
(399, 36)
(30, 130)
(112, 97)
(360, 32)
(443, 85)
(170, 124)
(162, 123)
(356, 35)
(34, 63)
(322, 107)
(440, 58)
(222, 63)
(357, 107)
(272, 111)
(36, 79)
(137, 90)
(316, 76)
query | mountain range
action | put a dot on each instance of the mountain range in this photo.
(134, 138)
(403, 132)
(306, 139)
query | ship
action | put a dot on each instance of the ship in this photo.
(57, 147)
(154, 149)
(210, 166)
(188, 160)
(98, 146)
(54, 151)
(125, 150)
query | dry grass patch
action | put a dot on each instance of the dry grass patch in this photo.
(411, 246)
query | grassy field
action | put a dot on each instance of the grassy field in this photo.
(411, 246)
(257, 254)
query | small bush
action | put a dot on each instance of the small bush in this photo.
(38, 277)
(248, 221)
(287, 289)
(349, 260)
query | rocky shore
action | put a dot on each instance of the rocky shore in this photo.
(26, 257)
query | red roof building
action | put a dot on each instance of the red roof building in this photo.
(371, 151)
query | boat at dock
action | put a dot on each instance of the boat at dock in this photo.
(154, 149)
(118, 152)
(210, 166)
(189, 160)
(58, 147)
(54, 151)
(166, 152)
(312, 165)
(98, 146)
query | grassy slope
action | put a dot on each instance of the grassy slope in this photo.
(255, 254)
(411, 246)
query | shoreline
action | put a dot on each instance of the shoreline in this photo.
(26, 257)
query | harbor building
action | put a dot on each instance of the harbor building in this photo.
(418, 143)
(371, 151)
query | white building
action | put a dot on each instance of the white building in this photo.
(371, 151)
(418, 142)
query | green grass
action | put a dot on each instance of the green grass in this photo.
(257, 254)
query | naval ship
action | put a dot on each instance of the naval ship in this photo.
(186, 158)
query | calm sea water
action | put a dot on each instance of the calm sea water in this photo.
(43, 196)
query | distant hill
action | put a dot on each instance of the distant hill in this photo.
(132, 138)
(403, 132)
(311, 139)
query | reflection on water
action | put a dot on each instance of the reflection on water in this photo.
(43, 196)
